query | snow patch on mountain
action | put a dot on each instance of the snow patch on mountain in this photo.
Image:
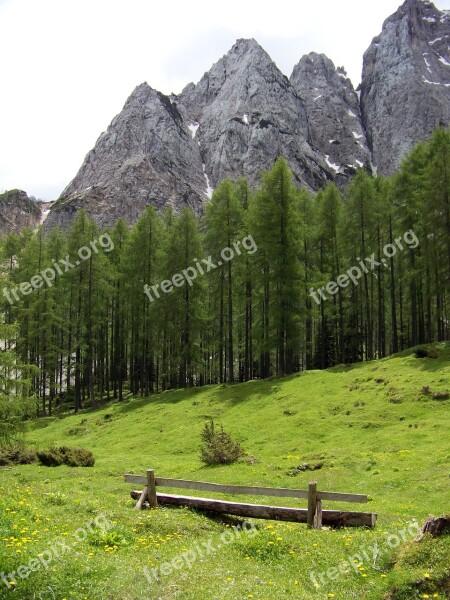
(330, 164)
(427, 62)
(209, 189)
(193, 128)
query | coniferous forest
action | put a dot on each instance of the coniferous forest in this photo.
(331, 278)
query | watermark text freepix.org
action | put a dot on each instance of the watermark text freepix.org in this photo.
(56, 549)
(366, 265)
(61, 266)
(369, 553)
(190, 273)
(199, 551)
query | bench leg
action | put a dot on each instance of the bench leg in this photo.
(141, 500)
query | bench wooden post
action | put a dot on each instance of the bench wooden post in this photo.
(312, 503)
(151, 489)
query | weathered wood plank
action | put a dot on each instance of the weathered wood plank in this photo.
(243, 489)
(236, 508)
(299, 515)
(338, 496)
(231, 489)
(130, 478)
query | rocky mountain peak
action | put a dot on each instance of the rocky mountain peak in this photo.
(406, 81)
(246, 67)
(247, 55)
(318, 64)
(248, 46)
(244, 113)
(334, 118)
(420, 8)
(140, 93)
(146, 157)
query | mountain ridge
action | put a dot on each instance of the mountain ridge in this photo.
(243, 113)
(405, 88)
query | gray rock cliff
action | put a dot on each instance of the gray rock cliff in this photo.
(18, 211)
(241, 116)
(244, 113)
(248, 114)
(405, 90)
(146, 157)
(332, 108)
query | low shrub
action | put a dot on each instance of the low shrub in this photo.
(423, 352)
(218, 448)
(50, 458)
(80, 457)
(16, 455)
(442, 395)
(74, 457)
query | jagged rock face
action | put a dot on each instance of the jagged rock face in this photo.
(244, 113)
(332, 107)
(405, 90)
(248, 114)
(146, 157)
(17, 211)
(236, 121)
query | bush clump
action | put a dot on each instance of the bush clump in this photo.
(74, 457)
(442, 395)
(80, 457)
(51, 457)
(218, 448)
(16, 455)
(423, 352)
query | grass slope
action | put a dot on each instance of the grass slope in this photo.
(371, 428)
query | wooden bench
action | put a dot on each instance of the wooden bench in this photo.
(314, 516)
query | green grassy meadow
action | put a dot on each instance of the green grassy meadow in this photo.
(367, 429)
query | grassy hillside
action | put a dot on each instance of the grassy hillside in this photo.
(369, 428)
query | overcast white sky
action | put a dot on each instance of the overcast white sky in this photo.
(68, 66)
